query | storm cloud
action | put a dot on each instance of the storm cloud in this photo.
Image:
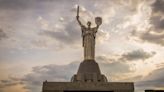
(69, 35)
(154, 33)
(137, 55)
(158, 6)
(2, 34)
(158, 23)
(150, 36)
(157, 13)
(10, 82)
(153, 80)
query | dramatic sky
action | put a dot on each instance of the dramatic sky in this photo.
(41, 40)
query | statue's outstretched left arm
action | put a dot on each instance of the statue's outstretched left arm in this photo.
(96, 28)
(98, 21)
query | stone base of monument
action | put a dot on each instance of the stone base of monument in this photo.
(89, 71)
(87, 87)
(88, 79)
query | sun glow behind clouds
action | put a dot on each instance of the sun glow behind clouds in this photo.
(141, 21)
(142, 68)
(141, 18)
(16, 88)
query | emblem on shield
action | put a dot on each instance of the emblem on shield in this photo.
(98, 20)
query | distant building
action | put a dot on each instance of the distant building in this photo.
(154, 90)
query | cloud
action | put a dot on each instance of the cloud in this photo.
(154, 38)
(9, 85)
(158, 6)
(136, 55)
(15, 4)
(158, 23)
(105, 59)
(69, 35)
(2, 34)
(23, 4)
(154, 31)
(10, 82)
(153, 80)
(150, 36)
(51, 72)
(157, 16)
(114, 70)
(133, 55)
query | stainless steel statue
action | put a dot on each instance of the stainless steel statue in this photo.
(89, 35)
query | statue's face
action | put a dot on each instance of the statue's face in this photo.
(89, 23)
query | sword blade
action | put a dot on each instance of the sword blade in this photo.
(77, 10)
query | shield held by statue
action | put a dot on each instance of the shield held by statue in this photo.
(98, 20)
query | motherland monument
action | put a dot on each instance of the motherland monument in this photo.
(89, 77)
(89, 35)
(89, 70)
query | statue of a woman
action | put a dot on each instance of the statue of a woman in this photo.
(89, 35)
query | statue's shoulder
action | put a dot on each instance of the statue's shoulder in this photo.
(94, 28)
(83, 27)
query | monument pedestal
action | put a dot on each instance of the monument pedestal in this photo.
(89, 71)
(87, 87)
(88, 79)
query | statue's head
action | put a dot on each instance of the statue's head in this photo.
(89, 23)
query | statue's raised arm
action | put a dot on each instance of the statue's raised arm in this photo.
(98, 21)
(77, 17)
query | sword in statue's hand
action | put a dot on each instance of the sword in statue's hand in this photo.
(77, 17)
(77, 12)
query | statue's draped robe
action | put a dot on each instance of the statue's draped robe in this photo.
(88, 35)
